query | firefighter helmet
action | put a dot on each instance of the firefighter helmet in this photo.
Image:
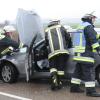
(54, 22)
(88, 16)
(9, 28)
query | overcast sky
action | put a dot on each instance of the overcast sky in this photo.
(49, 8)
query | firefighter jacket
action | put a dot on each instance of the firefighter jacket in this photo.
(2, 35)
(7, 44)
(88, 43)
(58, 40)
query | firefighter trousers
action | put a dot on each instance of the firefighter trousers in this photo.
(58, 62)
(84, 71)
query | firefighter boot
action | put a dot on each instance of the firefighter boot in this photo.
(54, 81)
(90, 91)
(76, 89)
(59, 83)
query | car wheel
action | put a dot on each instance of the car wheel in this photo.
(9, 73)
(98, 75)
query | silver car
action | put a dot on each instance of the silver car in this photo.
(32, 63)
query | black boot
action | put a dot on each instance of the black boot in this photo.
(59, 82)
(76, 89)
(54, 81)
(90, 91)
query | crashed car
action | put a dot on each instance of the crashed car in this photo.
(31, 62)
(20, 63)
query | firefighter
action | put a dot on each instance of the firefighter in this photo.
(85, 57)
(6, 41)
(9, 30)
(57, 40)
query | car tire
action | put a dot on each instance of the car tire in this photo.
(98, 75)
(9, 73)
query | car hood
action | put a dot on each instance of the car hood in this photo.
(28, 25)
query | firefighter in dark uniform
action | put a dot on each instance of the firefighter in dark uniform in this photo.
(6, 41)
(58, 40)
(85, 58)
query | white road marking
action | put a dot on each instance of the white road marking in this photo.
(14, 96)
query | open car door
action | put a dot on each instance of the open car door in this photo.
(30, 29)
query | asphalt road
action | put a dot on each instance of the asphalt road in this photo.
(39, 90)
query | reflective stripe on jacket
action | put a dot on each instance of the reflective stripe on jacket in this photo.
(88, 42)
(2, 36)
(88, 36)
(58, 40)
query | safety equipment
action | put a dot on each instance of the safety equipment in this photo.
(54, 22)
(8, 43)
(88, 16)
(76, 81)
(9, 28)
(75, 88)
(6, 50)
(2, 32)
(90, 84)
(56, 40)
(85, 57)
(92, 92)
(55, 82)
(2, 36)
(81, 46)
